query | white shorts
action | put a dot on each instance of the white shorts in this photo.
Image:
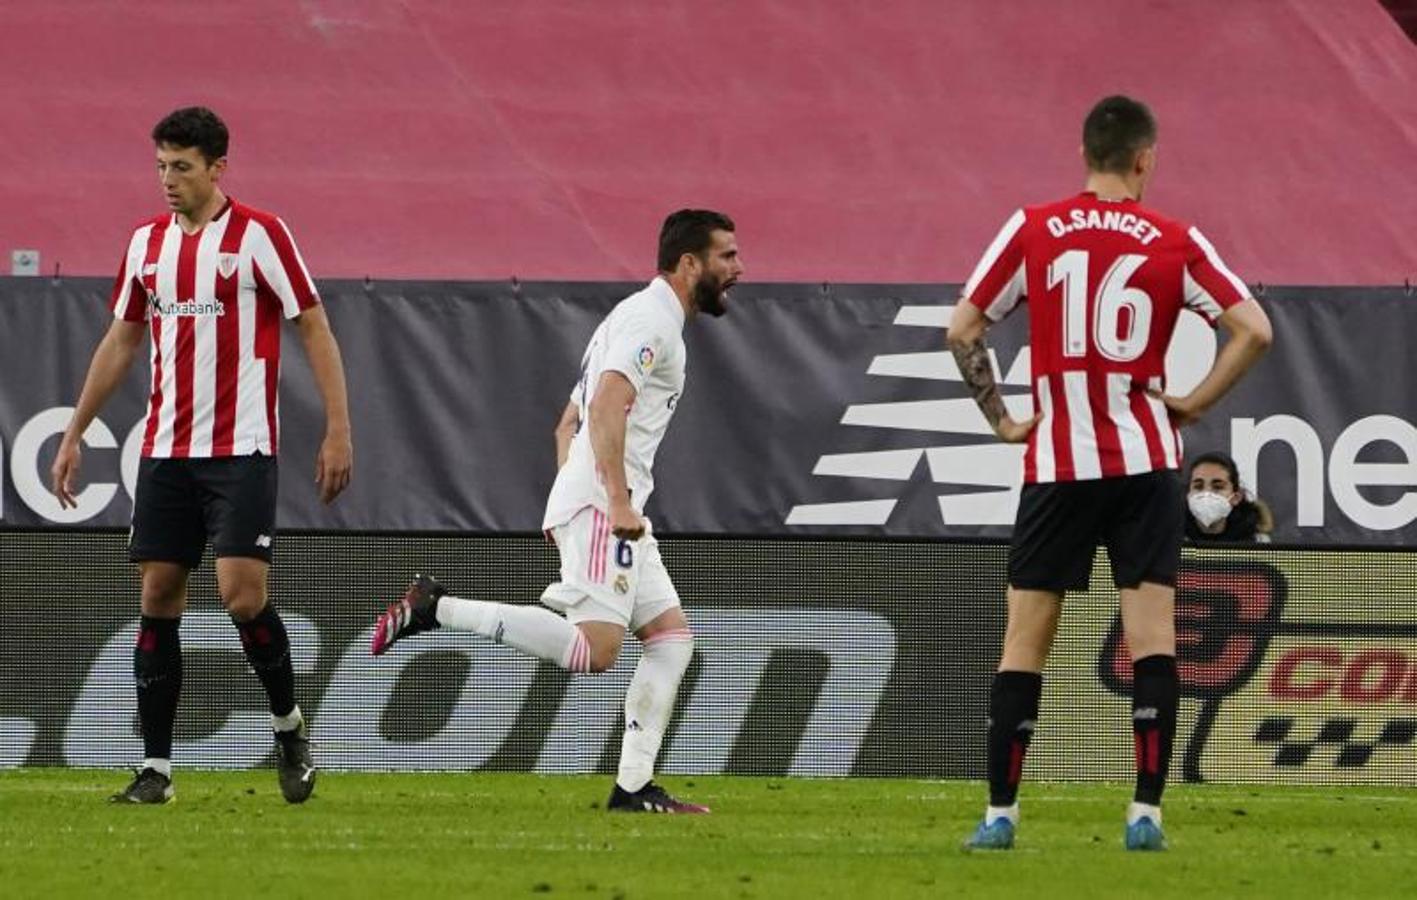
(606, 579)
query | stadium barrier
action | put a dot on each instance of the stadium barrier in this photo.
(825, 657)
(829, 410)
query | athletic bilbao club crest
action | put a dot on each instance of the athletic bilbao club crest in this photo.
(226, 264)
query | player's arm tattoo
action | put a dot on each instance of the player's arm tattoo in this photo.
(974, 366)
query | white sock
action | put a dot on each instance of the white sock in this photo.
(288, 722)
(1001, 812)
(530, 629)
(160, 765)
(1138, 810)
(649, 703)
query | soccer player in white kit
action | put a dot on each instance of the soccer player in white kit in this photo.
(612, 578)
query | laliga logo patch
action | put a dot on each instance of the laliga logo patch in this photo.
(226, 264)
(645, 359)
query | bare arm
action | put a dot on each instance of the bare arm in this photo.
(565, 431)
(335, 463)
(109, 366)
(1250, 336)
(609, 409)
(966, 341)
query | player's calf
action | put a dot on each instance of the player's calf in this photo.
(603, 642)
(1155, 696)
(531, 629)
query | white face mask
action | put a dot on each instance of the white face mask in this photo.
(1208, 507)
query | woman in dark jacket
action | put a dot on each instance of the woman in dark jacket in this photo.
(1218, 509)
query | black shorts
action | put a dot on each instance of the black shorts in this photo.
(180, 503)
(1139, 519)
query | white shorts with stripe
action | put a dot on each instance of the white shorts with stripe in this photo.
(606, 579)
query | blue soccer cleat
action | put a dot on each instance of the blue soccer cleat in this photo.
(997, 834)
(1145, 834)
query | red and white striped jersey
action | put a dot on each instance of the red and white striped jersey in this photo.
(1106, 281)
(214, 301)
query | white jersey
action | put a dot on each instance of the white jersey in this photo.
(642, 339)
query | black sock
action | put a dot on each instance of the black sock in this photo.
(268, 651)
(1013, 712)
(157, 671)
(1156, 691)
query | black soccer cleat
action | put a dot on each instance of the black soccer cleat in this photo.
(651, 799)
(416, 612)
(295, 764)
(149, 786)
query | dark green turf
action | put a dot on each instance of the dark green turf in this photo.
(504, 835)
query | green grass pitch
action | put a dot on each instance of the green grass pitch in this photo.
(512, 835)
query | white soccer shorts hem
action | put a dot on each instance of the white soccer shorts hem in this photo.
(597, 586)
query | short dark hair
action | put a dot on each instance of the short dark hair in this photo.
(1217, 458)
(194, 126)
(1117, 129)
(688, 231)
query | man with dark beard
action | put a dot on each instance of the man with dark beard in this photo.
(612, 577)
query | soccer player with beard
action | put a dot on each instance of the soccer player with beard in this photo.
(612, 577)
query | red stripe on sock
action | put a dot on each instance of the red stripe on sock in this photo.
(1016, 762)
